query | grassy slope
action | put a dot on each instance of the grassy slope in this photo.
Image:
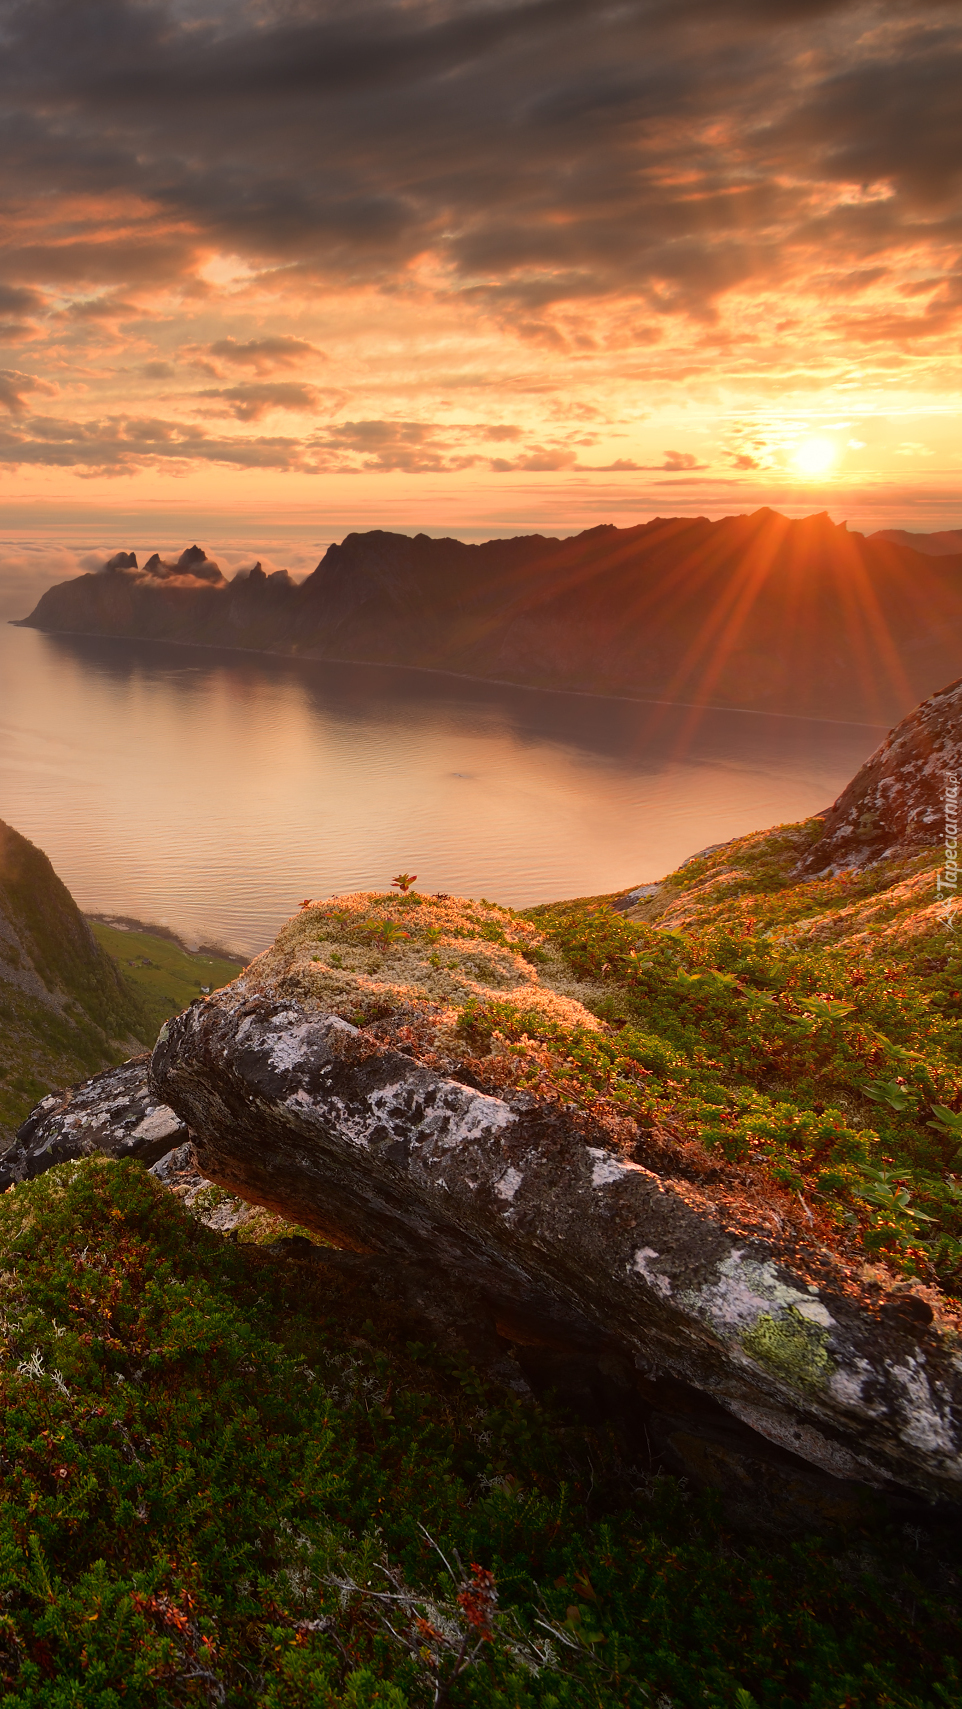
(211, 1458)
(165, 976)
(806, 1039)
(80, 1014)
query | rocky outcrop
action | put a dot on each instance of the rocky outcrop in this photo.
(116, 1113)
(612, 611)
(740, 1364)
(905, 799)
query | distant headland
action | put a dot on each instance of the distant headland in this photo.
(759, 611)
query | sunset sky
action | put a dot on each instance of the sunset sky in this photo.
(477, 266)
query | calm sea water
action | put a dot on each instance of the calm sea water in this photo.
(210, 792)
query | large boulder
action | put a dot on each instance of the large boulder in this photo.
(325, 1084)
(115, 1112)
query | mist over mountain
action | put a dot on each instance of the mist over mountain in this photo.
(754, 611)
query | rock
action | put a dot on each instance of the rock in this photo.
(601, 1276)
(115, 1112)
(905, 798)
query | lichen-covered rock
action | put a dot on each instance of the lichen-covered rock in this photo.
(115, 1112)
(569, 1244)
(906, 796)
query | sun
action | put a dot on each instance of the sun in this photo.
(815, 456)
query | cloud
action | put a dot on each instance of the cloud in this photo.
(265, 355)
(412, 447)
(549, 150)
(672, 184)
(15, 389)
(677, 461)
(18, 301)
(125, 444)
(252, 401)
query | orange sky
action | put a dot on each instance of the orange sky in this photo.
(477, 267)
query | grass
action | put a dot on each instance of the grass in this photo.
(221, 1482)
(165, 975)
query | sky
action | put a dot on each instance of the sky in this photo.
(271, 271)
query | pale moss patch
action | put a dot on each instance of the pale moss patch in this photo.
(792, 1347)
(369, 951)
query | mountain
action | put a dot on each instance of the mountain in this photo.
(752, 611)
(65, 1008)
(945, 544)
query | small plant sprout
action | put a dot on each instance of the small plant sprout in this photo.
(403, 881)
(384, 932)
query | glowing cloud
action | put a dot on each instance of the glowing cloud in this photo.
(595, 232)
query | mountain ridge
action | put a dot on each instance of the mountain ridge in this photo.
(753, 611)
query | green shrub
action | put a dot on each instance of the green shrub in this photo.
(215, 1470)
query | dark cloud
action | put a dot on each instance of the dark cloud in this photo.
(550, 151)
(256, 399)
(15, 389)
(121, 445)
(265, 355)
(412, 447)
(19, 302)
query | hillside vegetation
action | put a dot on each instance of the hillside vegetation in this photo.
(789, 1050)
(222, 1483)
(66, 1010)
(796, 1045)
(164, 975)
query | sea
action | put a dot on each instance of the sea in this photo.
(210, 792)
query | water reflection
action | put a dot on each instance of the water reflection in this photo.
(212, 790)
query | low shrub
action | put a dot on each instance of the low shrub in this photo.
(220, 1483)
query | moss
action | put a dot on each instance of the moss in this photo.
(369, 953)
(792, 1347)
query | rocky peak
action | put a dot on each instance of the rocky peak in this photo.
(896, 804)
(192, 562)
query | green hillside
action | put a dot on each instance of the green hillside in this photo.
(66, 1010)
(165, 975)
(223, 1483)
